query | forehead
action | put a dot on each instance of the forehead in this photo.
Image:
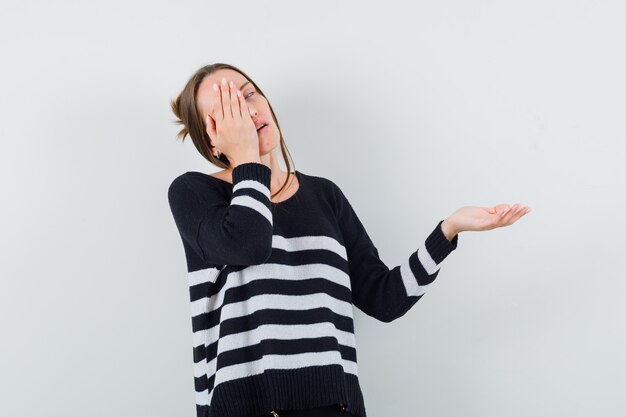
(206, 96)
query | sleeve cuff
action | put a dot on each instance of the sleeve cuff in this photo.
(438, 246)
(252, 171)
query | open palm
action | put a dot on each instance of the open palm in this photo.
(471, 218)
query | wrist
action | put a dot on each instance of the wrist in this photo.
(448, 230)
(256, 159)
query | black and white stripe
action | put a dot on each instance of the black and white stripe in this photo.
(285, 325)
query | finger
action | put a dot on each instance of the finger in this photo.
(505, 215)
(502, 209)
(505, 209)
(508, 214)
(217, 108)
(226, 99)
(243, 106)
(234, 101)
(240, 100)
(521, 212)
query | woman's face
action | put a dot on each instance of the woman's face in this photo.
(258, 107)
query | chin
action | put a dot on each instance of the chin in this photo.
(266, 151)
(267, 146)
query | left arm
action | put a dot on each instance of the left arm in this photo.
(383, 293)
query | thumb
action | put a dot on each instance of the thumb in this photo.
(501, 208)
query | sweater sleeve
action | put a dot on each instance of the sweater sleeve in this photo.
(383, 293)
(222, 232)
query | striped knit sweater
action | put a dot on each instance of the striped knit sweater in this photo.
(272, 287)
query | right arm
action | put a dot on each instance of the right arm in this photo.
(221, 232)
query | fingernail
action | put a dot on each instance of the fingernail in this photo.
(215, 87)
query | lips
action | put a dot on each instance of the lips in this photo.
(260, 123)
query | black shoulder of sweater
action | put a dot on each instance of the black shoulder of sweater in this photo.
(222, 231)
(216, 189)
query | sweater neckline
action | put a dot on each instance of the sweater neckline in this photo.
(297, 173)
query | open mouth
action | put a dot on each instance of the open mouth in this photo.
(262, 128)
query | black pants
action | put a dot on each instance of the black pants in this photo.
(326, 411)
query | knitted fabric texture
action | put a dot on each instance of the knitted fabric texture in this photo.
(272, 288)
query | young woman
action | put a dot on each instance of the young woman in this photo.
(276, 260)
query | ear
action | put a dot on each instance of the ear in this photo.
(209, 124)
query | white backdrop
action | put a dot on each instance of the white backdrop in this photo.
(413, 108)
